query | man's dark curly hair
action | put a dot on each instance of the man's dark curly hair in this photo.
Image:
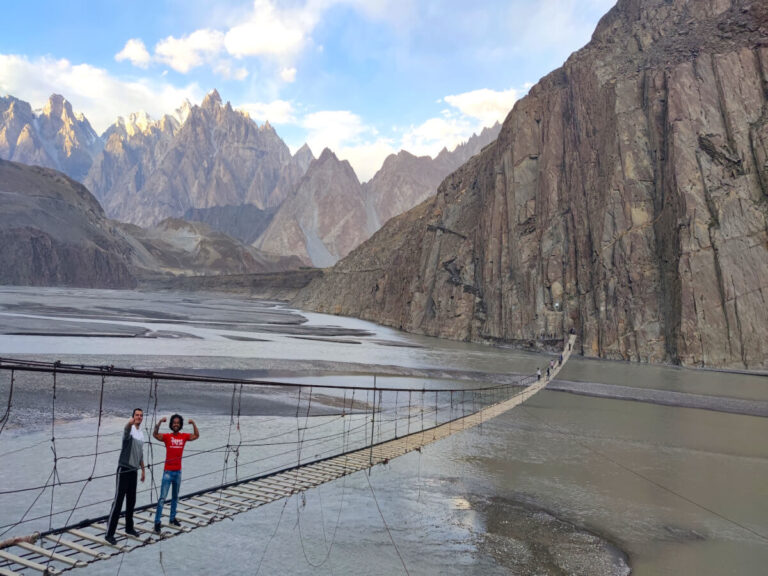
(181, 421)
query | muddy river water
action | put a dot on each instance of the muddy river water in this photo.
(619, 467)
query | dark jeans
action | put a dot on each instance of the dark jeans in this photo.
(125, 488)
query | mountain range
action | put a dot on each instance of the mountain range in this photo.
(214, 164)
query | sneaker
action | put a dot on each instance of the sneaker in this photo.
(157, 527)
(132, 532)
(175, 522)
(111, 539)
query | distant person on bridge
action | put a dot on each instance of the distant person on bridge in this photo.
(131, 458)
(174, 447)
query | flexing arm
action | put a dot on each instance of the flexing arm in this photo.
(196, 433)
(156, 432)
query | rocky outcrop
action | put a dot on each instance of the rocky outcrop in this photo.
(54, 232)
(324, 219)
(179, 248)
(217, 157)
(55, 138)
(625, 198)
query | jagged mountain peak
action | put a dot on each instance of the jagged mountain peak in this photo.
(14, 107)
(56, 106)
(304, 150)
(327, 155)
(212, 100)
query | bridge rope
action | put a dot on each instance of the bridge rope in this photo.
(253, 468)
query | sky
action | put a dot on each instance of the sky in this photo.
(365, 78)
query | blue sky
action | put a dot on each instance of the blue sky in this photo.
(365, 78)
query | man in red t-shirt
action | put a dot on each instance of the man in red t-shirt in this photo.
(174, 447)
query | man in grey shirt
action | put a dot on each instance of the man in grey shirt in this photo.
(131, 458)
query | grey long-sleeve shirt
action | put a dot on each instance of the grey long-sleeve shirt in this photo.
(132, 451)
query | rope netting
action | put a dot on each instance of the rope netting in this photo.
(61, 427)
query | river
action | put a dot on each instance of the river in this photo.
(569, 483)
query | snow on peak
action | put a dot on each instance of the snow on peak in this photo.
(182, 111)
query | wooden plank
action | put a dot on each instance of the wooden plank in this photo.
(287, 478)
(325, 471)
(251, 493)
(278, 489)
(190, 519)
(259, 494)
(85, 536)
(251, 499)
(316, 477)
(137, 526)
(51, 554)
(79, 547)
(216, 502)
(28, 563)
(151, 520)
(4, 572)
(308, 475)
(332, 465)
(189, 504)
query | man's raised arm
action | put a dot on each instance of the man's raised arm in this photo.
(156, 432)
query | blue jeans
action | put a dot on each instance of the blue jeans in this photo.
(170, 478)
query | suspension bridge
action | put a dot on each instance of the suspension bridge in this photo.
(339, 430)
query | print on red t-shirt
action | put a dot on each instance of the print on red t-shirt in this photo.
(174, 447)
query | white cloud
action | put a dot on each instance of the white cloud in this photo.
(276, 112)
(487, 106)
(225, 69)
(470, 113)
(332, 128)
(135, 51)
(270, 32)
(184, 54)
(92, 91)
(288, 74)
(368, 157)
(435, 134)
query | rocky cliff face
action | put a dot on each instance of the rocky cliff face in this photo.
(217, 157)
(324, 219)
(133, 150)
(626, 197)
(55, 138)
(54, 232)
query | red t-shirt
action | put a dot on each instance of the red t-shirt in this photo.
(174, 446)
